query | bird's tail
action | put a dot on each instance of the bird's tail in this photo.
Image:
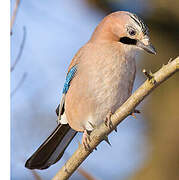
(52, 149)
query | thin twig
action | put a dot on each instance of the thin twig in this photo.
(14, 15)
(19, 84)
(85, 174)
(20, 50)
(36, 175)
(98, 134)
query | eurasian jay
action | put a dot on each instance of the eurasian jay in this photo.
(99, 80)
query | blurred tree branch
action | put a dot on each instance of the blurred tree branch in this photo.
(85, 174)
(100, 133)
(19, 84)
(36, 175)
(21, 47)
(20, 50)
(14, 15)
(17, 60)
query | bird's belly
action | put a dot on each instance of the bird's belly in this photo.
(111, 88)
(100, 85)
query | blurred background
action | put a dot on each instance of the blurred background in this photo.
(45, 37)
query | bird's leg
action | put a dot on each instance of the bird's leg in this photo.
(108, 121)
(86, 139)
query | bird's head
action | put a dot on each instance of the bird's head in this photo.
(125, 28)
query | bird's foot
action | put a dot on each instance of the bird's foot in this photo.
(149, 76)
(108, 121)
(86, 139)
(58, 120)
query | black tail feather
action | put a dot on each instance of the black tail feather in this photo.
(52, 149)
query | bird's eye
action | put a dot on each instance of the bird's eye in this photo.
(132, 32)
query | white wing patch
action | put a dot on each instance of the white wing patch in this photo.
(63, 119)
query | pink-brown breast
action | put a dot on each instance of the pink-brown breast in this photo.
(103, 82)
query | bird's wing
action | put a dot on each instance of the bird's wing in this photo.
(71, 73)
(54, 146)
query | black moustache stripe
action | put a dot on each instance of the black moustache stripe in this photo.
(127, 40)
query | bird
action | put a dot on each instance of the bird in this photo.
(99, 80)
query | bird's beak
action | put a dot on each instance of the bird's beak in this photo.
(146, 45)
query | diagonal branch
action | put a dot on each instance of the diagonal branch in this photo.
(98, 134)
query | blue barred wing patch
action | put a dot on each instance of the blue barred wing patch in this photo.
(69, 77)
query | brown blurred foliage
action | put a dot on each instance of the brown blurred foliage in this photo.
(161, 110)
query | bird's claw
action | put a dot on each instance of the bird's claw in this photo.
(136, 111)
(58, 120)
(86, 140)
(149, 76)
(108, 121)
